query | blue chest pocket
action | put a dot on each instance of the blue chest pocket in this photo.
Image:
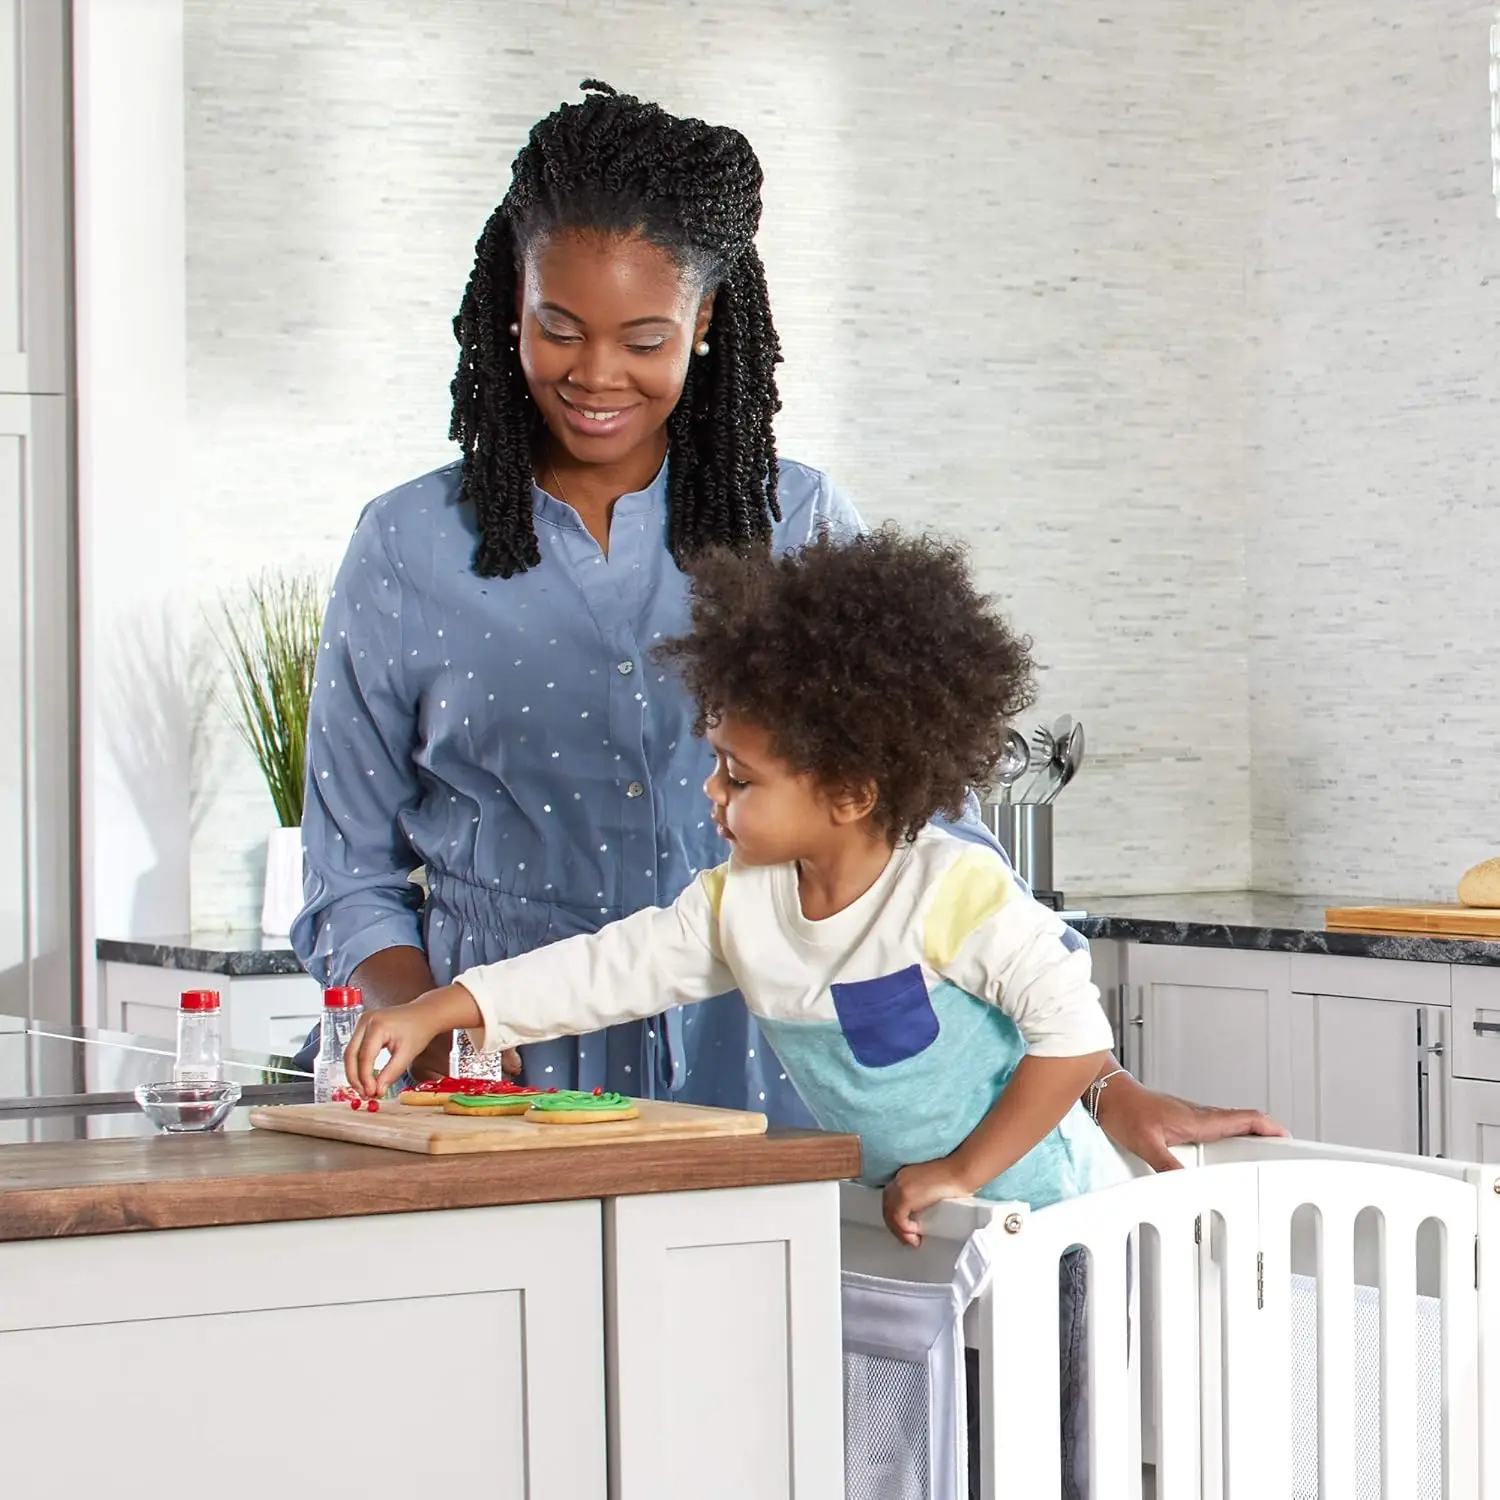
(886, 1020)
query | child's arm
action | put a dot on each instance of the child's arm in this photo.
(1040, 1092)
(631, 969)
(987, 936)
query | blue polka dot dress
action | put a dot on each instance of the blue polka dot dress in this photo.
(514, 739)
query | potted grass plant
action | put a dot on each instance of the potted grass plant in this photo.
(270, 643)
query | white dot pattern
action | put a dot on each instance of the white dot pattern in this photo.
(408, 753)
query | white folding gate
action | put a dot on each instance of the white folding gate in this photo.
(1283, 1319)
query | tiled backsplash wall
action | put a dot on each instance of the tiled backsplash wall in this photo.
(1009, 256)
(1372, 446)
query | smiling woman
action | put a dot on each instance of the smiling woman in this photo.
(486, 705)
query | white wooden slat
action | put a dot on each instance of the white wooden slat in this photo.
(1398, 1350)
(1179, 1473)
(1461, 1430)
(1020, 1374)
(1211, 1373)
(1336, 1397)
(1263, 1466)
(1110, 1372)
(1485, 1182)
(1249, 1416)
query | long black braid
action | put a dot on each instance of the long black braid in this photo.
(620, 166)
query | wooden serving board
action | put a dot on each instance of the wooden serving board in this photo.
(428, 1131)
(1435, 921)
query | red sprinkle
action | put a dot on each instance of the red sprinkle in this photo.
(373, 1105)
(598, 1093)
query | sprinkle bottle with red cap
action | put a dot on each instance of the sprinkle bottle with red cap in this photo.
(342, 1005)
(200, 1047)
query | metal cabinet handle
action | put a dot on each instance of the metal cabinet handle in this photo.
(1487, 1028)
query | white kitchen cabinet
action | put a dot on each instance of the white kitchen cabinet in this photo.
(1371, 1073)
(1476, 1021)
(1370, 1053)
(211, 1339)
(726, 1357)
(34, 250)
(268, 1015)
(36, 786)
(1473, 1120)
(1210, 1024)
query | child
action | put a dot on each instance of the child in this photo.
(914, 995)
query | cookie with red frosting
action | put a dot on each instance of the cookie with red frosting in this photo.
(437, 1092)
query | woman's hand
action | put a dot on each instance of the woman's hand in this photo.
(1148, 1124)
(915, 1189)
(404, 1031)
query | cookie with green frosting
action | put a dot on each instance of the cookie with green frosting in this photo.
(577, 1107)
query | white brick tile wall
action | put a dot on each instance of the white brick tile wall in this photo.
(1008, 250)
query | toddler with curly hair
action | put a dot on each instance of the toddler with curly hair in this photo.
(914, 993)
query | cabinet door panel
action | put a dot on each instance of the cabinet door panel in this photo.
(240, 1355)
(1367, 1060)
(1211, 1025)
(1474, 1121)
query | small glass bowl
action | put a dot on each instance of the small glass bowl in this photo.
(181, 1107)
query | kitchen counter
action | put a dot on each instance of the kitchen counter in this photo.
(493, 1299)
(65, 1188)
(1263, 921)
(1219, 919)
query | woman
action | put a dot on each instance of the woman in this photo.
(486, 707)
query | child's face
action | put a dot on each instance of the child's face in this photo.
(766, 811)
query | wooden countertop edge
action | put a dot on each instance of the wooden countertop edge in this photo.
(380, 1182)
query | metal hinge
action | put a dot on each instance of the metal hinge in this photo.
(1476, 1262)
(1260, 1281)
(1198, 1230)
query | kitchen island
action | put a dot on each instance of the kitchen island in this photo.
(632, 1320)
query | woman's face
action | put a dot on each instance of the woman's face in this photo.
(608, 326)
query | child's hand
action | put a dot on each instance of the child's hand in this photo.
(403, 1031)
(915, 1189)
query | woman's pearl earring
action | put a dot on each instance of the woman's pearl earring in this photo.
(701, 348)
(515, 330)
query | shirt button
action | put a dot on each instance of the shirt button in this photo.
(634, 789)
(625, 668)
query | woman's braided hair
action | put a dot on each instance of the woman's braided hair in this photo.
(615, 165)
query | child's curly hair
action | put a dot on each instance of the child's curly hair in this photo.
(871, 660)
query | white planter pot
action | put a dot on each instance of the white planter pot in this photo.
(283, 896)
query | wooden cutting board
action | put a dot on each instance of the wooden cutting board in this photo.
(430, 1132)
(1435, 921)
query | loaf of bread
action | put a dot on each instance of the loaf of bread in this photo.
(1481, 886)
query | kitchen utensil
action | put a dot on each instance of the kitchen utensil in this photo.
(1015, 760)
(1436, 921)
(405, 1127)
(1072, 758)
(1025, 833)
(178, 1108)
(1043, 749)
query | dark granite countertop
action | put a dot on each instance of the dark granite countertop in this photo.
(1265, 921)
(238, 954)
(1218, 919)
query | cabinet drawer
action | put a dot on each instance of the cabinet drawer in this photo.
(1476, 1022)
